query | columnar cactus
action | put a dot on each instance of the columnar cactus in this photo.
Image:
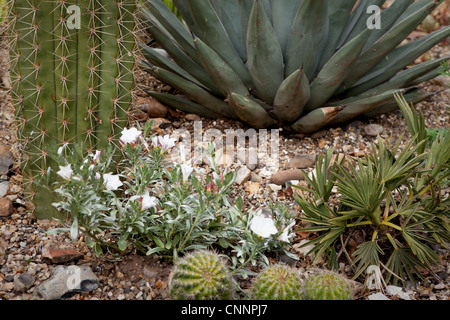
(201, 275)
(327, 286)
(72, 71)
(278, 282)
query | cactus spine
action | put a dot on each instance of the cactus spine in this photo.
(278, 282)
(72, 71)
(327, 286)
(201, 275)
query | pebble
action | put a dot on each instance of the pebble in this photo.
(373, 130)
(6, 159)
(6, 207)
(243, 175)
(4, 187)
(302, 161)
(23, 282)
(282, 176)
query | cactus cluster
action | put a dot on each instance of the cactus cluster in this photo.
(327, 286)
(296, 64)
(278, 282)
(72, 69)
(200, 275)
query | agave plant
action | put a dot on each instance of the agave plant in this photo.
(297, 64)
(391, 197)
(72, 71)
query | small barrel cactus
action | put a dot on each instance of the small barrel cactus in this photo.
(201, 275)
(327, 286)
(278, 282)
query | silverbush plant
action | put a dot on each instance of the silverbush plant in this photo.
(393, 194)
(162, 207)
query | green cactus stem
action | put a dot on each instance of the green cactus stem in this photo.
(72, 71)
(200, 275)
(278, 282)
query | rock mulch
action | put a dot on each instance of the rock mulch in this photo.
(36, 265)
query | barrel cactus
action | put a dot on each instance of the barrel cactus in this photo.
(277, 282)
(72, 69)
(295, 64)
(327, 286)
(200, 275)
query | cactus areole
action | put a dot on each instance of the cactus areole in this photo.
(72, 68)
(296, 64)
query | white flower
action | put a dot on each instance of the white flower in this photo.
(65, 172)
(61, 149)
(112, 181)
(96, 156)
(186, 170)
(284, 237)
(147, 201)
(155, 142)
(166, 142)
(130, 135)
(262, 226)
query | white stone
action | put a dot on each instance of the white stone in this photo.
(378, 296)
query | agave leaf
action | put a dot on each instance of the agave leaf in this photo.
(181, 58)
(361, 106)
(411, 97)
(212, 32)
(220, 72)
(283, 15)
(229, 14)
(183, 104)
(250, 112)
(339, 12)
(308, 36)
(368, 60)
(183, 9)
(406, 78)
(159, 60)
(334, 72)
(192, 91)
(171, 24)
(389, 18)
(265, 59)
(315, 120)
(396, 61)
(416, 5)
(358, 20)
(291, 97)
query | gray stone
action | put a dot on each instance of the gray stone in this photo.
(248, 157)
(378, 296)
(4, 187)
(243, 175)
(6, 159)
(66, 280)
(302, 161)
(23, 282)
(373, 130)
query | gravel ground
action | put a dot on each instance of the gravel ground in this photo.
(135, 277)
